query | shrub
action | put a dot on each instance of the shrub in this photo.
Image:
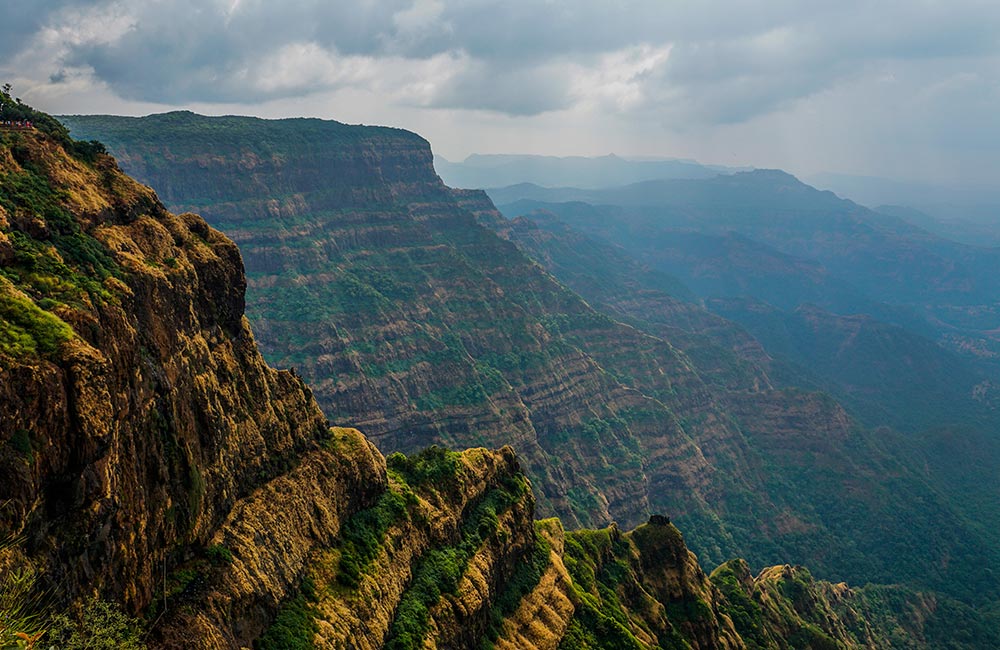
(293, 628)
(97, 625)
(432, 466)
(27, 329)
(219, 555)
(19, 605)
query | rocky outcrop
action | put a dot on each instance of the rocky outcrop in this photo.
(542, 616)
(435, 569)
(642, 589)
(784, 607)
(268, 538)
(501, 583)
(138, 423)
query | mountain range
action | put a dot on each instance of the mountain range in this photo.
(424, 316)
(498, 170)
(951, 207)
(414, 320)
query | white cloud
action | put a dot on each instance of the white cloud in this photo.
(619, 80)
(303, 66)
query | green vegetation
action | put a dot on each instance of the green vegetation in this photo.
(183, 130)
(944, 623)
(525, 578)
(595, 561)
(435, 466)
(741, 608)
(61, 261)
(196, 491)
(590, 629)
(465, 395)
(436, 573)
(689, 611)
(182, 581)
(795, 609)
(363, 535)
(26, 329)
(613, 598)
(440, 570)
(219, 555)
(810, 636)
(21, 606)
(96, 625)
(294, 627)
(57, 263)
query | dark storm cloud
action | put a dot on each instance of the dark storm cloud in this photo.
(190, 50)
(728, 61)
(21, 20)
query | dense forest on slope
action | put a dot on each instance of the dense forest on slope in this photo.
(411, 318)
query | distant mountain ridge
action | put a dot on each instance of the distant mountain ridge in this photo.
(480, 171)
(958, 225)
(978, 201)
(765, 236)
(897, 322)
(882, 256)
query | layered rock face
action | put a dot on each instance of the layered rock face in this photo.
(144, 438)
(151, 458)
(417, 324)
(413, 320)
(139, 422)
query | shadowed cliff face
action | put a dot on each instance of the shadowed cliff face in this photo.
(138, 421)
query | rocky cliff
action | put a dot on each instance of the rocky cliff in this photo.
(150, 458)
(140, 425)
(414, 321)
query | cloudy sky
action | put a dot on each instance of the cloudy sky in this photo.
(908, 89)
